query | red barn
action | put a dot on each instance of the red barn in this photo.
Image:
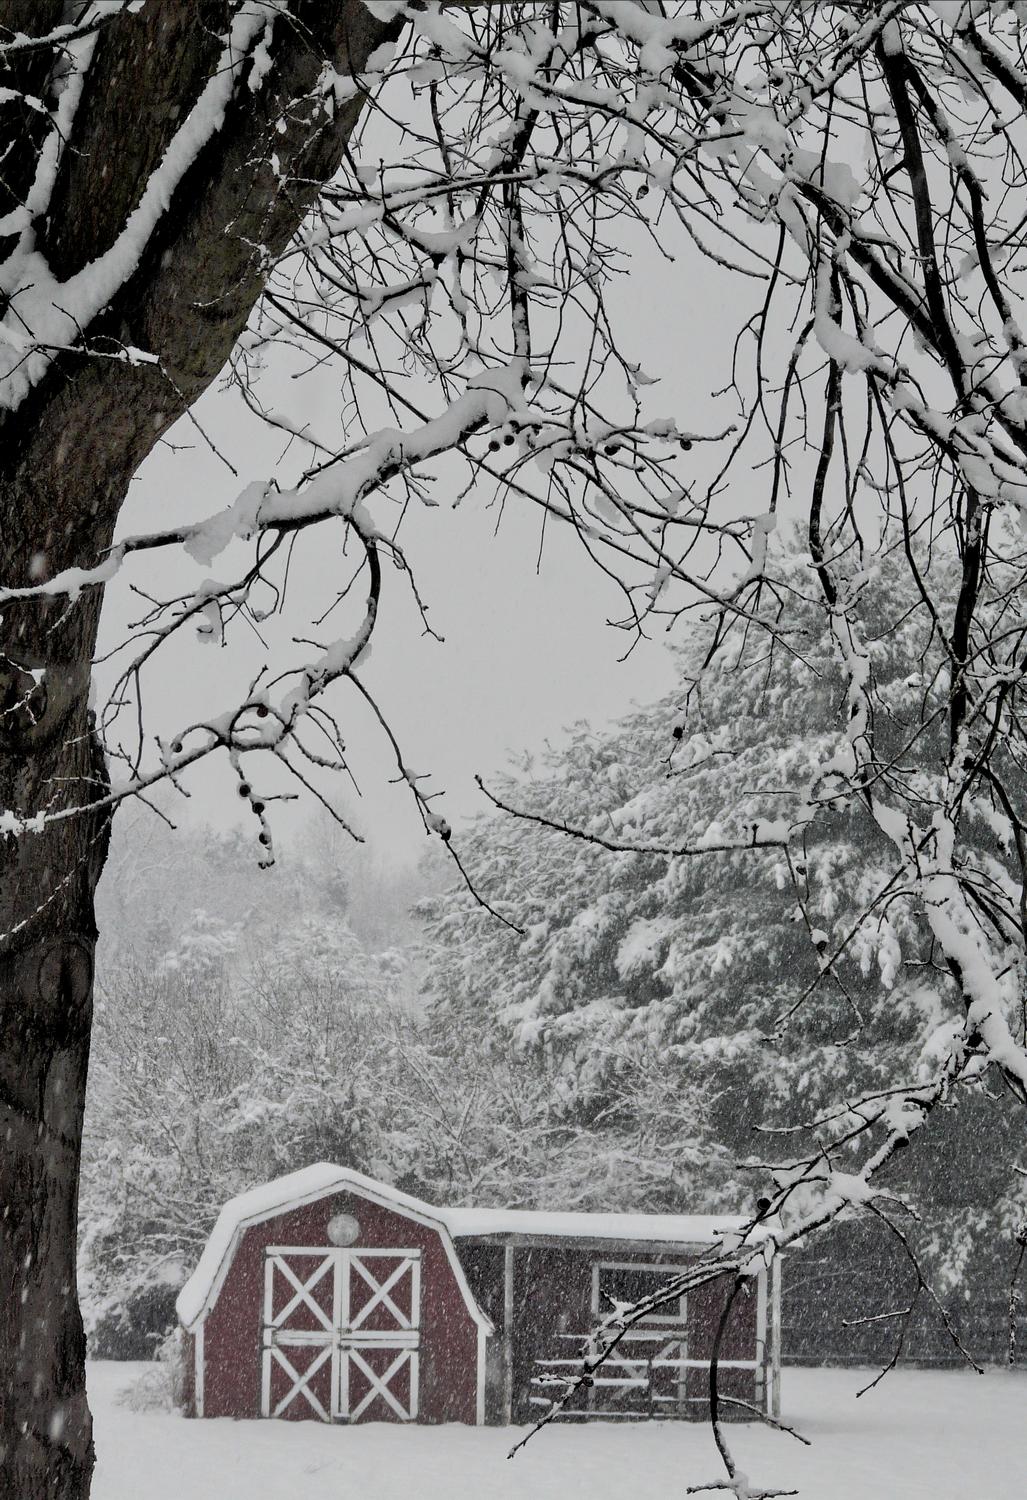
(327, 1295)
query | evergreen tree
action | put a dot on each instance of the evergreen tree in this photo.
(783, 986)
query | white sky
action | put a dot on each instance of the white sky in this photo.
(527, 651)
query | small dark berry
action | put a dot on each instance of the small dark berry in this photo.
(244, 789)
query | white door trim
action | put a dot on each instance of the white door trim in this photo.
(342, 1333)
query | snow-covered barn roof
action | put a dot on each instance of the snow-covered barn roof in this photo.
(297, 1188)
(663, 1229)
(292, 1191)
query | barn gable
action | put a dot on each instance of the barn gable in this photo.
(293, 1191)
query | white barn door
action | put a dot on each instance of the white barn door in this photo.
(341, 1334)
(299, 1332)
(380, 1336)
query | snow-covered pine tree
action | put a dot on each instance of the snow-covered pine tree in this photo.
(783, 986)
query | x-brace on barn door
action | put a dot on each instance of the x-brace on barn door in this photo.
(341, 1333)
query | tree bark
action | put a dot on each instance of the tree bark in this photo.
(67, 456)
(48, 756)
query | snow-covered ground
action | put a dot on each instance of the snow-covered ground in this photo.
(921, 1435)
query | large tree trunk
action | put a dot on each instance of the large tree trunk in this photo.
(48, 756)
(67, 456)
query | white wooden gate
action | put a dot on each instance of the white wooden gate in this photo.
(341, 1333)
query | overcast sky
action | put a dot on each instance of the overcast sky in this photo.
(527, 648)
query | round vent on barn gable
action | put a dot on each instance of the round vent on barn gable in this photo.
(343, 1229)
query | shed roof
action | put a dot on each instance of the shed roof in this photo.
(530, 1223)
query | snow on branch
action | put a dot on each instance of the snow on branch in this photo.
(98, 14)
(42, 314)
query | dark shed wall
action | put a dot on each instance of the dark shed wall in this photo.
(705, 1310)
(483, 1266)
(233, 1330)
(553, 1315)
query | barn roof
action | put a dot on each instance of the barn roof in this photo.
(293, 1191)
(524, 1225)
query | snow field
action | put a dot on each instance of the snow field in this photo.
(920, 1435)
